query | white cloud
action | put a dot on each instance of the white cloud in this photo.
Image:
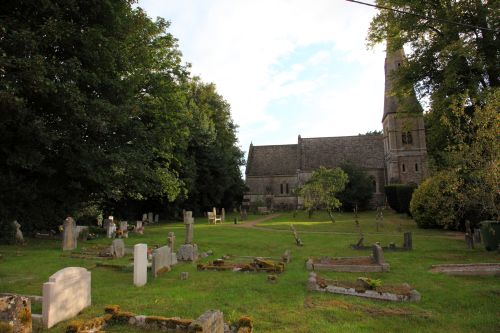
(239, 45)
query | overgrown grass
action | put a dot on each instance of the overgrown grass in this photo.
(453, 304)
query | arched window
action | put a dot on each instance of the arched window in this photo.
(406, 137)
(416, 167)
(403, 167)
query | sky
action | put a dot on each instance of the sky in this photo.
(286, 67)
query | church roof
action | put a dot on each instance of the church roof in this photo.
(366, 151)
(272, 160)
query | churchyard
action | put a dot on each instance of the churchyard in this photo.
(283, 303)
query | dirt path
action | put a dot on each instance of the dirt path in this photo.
(251, 224)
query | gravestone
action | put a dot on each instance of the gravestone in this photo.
(188, 251)
(223, 215)
(184, 275)
(82, 232)
(378, 254)
(287, 257)
(124, 226)
(298, 241)
(162, 260)
(477, 236)
(408, 242)
(106, 223)
(15, 313)
(211, 321)
(111, 230)
(171, 240)
(69, 234)
(144, 217)
(118, 248)
(157, 218)
(150, 217)
(140, 264)
(244, 215)
(65, 295)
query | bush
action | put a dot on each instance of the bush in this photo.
(399, 197)
(359, 189)
(7, 232)
(436, 203)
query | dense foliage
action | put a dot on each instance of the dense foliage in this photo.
(96, 109)
(399, 197)
(358, 190)
(321, 189)
(454, 64)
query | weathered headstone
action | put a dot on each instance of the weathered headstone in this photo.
(171, 240)
(118, 248)
(157, 218)
(378, 254)
(144, 217)
(65, 295)
(69, 234)
(140, 265)
(187, 252)
(150, 217)
(408, 242)
(15, 313)
(477, 236)
(287, 257)
(223, 215)
(162, 260)
(211, 321)
(111, 230)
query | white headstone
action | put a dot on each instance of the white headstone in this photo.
(111, 230)
(65, 295)
(150, 217)
(140, 264)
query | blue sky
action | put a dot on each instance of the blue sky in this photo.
(287, 67)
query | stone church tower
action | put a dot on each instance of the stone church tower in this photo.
(405, 152)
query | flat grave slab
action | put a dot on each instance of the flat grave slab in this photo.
(479, 269)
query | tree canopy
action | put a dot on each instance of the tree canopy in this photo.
(98, 107)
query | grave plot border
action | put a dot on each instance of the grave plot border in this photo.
(477, 269)
(312, 285)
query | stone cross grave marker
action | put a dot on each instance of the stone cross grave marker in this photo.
(171, 240)
(188, 222)
(140, 265)
(69, 234)
(298, 241)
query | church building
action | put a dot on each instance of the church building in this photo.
(399, 155)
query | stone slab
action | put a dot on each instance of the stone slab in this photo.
(479, 269)
(212, 321)
(65, 295)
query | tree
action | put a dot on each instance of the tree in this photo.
(358, 190)
(454, 63)
(92, 101)
(321, 189)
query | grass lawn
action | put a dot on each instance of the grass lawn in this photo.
(449, 304)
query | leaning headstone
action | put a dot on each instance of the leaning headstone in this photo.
(211, 321)
(162, 260)
(408, 242)
(298, 241)
(223, 215)
(140, 264)
(65, 295)
(171, 240)
(378, 254)
(15, 314)
(157, 218)
(150, 217)
(19, 233)
(69, 234)
(118, 248)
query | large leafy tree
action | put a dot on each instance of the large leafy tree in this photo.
(358, 190)
(91, 100)
(454, 64)
(321, 190)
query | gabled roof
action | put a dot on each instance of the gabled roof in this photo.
(366, 151)
(272, 160)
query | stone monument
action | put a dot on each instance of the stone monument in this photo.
(69, 234)
(188, 251)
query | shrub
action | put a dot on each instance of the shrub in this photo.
(359, 188)
(399, 196)
(436, 203)
(7, 232)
